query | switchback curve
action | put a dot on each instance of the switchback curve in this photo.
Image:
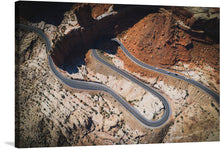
(98, 86)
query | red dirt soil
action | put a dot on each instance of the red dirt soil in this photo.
(98, 9)
(158, 41)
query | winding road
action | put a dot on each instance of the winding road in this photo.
(175, 75)
(84, 85)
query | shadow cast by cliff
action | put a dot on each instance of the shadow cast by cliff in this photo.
(76, 43)
(72, 67)
(50, 12)
(108, 46)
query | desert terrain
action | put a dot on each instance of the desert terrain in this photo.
(177, 39)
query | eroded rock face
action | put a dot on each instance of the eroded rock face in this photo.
(168, 37)
(157, 40)
(206, 19)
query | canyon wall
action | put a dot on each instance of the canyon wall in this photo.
(77, 42)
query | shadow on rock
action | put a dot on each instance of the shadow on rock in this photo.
(72, 67)
(108, 46)
(77, 42)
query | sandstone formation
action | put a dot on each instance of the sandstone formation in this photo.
(50, 114)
